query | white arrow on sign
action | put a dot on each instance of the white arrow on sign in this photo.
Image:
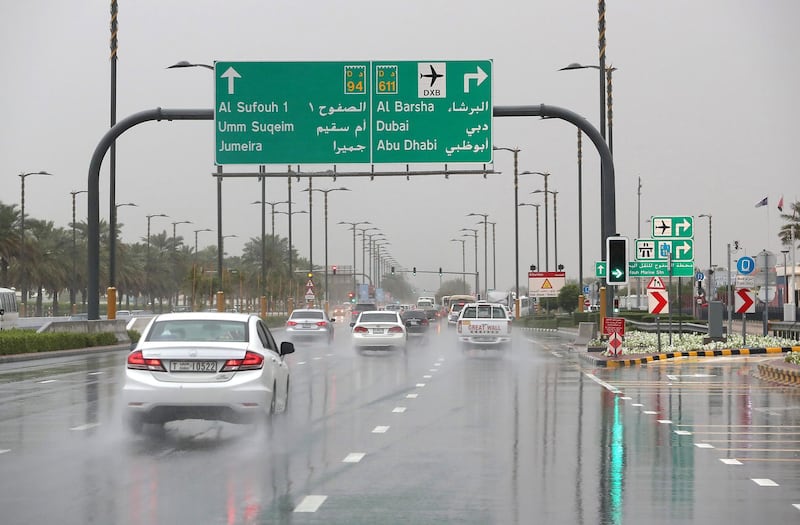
(230, 74)
(480, 76)
(683, 248)
(685, 225)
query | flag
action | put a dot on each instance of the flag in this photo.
(780, 204)
(762, 202)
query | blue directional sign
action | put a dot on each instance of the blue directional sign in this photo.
(745, 265)
(699, 276)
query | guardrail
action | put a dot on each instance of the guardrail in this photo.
(653, 327)
(787, 329)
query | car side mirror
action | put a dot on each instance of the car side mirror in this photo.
(352, 325)
(287, 347)
(333, 319)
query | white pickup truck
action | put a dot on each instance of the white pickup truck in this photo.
(483, 324)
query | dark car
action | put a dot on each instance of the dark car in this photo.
(417, 324)
(361, 307)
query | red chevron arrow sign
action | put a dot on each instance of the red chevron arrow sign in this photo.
(744, 301)
(658, 301)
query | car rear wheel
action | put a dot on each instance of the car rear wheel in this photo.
(134, 424)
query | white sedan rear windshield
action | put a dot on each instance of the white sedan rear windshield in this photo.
(199, 330)
(378, 317)
(306, 315)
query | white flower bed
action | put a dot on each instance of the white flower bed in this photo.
(647, 343)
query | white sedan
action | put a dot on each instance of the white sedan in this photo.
(378, 330)
(205, 365)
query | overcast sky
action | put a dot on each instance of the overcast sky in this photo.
(705, 112)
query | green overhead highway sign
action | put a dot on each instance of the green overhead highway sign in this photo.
(353, 112)
(675, 227)
(659, 269)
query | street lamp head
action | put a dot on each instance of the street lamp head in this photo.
(512, 150)
(203, 230)
(184, 63)
(484, 215)
(705, 215)
(181, 222)
(542, 173)
(124, 204)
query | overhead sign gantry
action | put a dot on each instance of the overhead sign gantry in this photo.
(353, 112)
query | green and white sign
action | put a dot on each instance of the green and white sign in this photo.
(600, 269)
(660, 249)
(660, 269)
(676, 227)
(353, 112)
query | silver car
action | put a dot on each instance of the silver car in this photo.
(205, 365)
(309, 324)
(379, 330)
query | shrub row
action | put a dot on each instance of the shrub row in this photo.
(27, 341)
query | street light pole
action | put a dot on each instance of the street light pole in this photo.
(194, 265)
(112, 241)
(74, 287)
(537, 206)
(515, 151)
(485, 249)
(325, 192)
(494, 256)
(353, 226)
(147, 262)
(23, 276)
(709, 285)
(475, 235)
(175, 257)
(546, 225)
(463, 262)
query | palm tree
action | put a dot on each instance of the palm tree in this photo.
(792, 223)
(9, 239)
(44, 261)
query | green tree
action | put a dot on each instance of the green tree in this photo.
(568, 297)
(9, 239)
(453, 287)
(791, 223)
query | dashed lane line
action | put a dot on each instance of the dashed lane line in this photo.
(310, 503)
(353, 457)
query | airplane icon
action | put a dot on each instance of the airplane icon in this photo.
(664, 227)
(433, 75)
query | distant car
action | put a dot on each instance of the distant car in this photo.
(361, 307)
(341, 311)
(452, 315)
(393, 308)
(308, 324)
(417, 324)
(205, 365)
(379, 330)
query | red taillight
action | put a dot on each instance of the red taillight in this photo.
(136, 361)
(291, 323)
(251, 361)
(360, 330)
(396, 330)
(424, 322)
(322, 323)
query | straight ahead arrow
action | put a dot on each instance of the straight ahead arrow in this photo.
(230, 74)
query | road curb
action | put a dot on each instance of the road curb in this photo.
(32, 356)
(779, 371)
(616, 362)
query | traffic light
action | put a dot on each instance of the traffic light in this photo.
(392, 270)
(617, 261)
(333, 268)
(414, 271)
(310, 275)
(351, 296)
(440, 271)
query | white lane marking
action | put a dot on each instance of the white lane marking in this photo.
(310, 503)
(683, 433)
(665, 421)
(433, 370)
(637, 405)
(398, 410)
(437, 364)
(411, 396)
(765, 482)
(95, 373)
(610, 388)
(353, 457)
(301, 362)
(4, 450)
(704, 445)
(796, 505)
(427, 377)
(650, 412)
(420, 385)
(730, 461)
(556, 354)
(87, 426)
(380, 429)
(626, 397)
(329, 355)
(317, 358)
(46, 381)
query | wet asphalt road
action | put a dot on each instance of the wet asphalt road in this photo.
(432, 435)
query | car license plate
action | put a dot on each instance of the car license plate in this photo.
(377, 330)
(193, 366)
(306, 326)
